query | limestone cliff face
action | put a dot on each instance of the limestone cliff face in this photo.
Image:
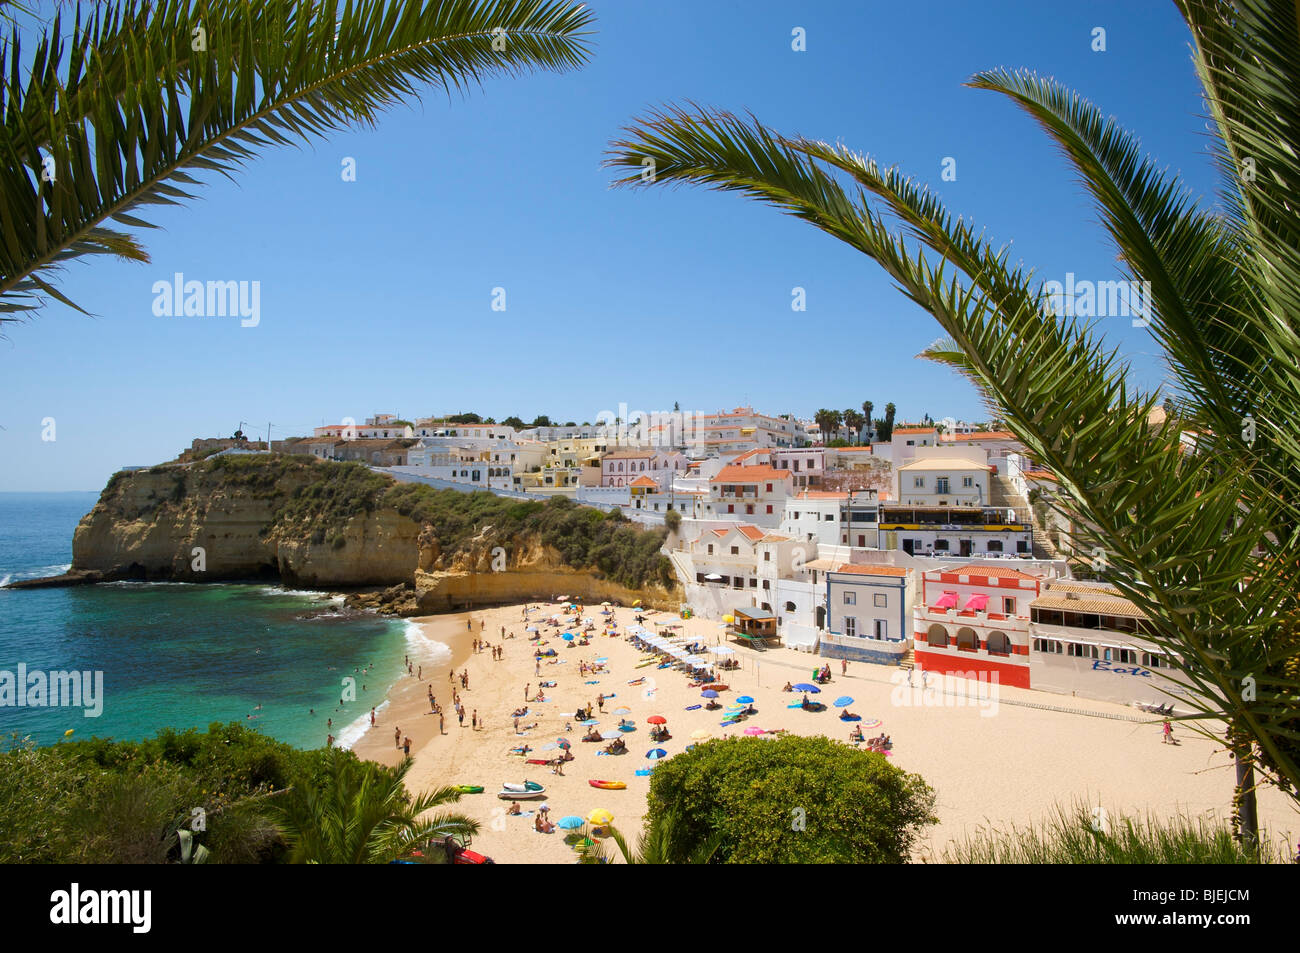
(298, 523)
(147, 525)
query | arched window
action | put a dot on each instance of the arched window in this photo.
(790, 607)
(999, 643)
(967, 639)
(937, 636)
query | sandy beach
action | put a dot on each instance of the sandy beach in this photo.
(998, 761)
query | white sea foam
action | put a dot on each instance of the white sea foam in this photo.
(353, 732)
(424, 650)
(5, 581)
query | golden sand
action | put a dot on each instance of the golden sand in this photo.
(990, 766)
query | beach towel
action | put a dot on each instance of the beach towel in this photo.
(693, 707)
(594, 682)
(536, 761)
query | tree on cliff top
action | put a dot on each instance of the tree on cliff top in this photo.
(128, 99)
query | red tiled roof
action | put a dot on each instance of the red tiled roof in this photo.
(738, 473)
(750, 532)
(999, 572)
(861, 570)
(643, 481)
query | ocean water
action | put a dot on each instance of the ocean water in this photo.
(183, 655)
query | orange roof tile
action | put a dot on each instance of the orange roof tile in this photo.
(999, 572)
(861, 570)
(643, 481)
(738, 473)
(750, 532)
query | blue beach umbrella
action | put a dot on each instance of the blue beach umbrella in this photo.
(746, 700)
(654, 754)
(844, 701)
(622, 711)
(604, 658)
(567, 636)
(805, 687)
(572, 822)
(589, 721)
(708, 693)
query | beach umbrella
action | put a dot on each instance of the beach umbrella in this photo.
(603, 658)
(550, 746)
(656, 720)
(699, 734)
(635, 604)
(531, 628)
(622, 711)
(805, 687)
(572, 822)
(562, 599)
(589, 721)
(722, 650)
(600, 817)
(604, 603)
(746, 700)
(708, 693)
(654, 754)
(755, 731)
(844, 701)
(610, 734)
(567, 636)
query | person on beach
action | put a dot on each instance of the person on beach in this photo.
(397, 737)
(469, 626)
(526, 688)
(419, 672)
(473, 722)
(372, 717)
(537, 667)
(844, 666)
(433, 704)
(406, 747)
(460, 715)
(516, 726)
(1168, 733)
(329, 741)
(442, 729)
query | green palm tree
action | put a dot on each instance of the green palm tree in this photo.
(360, 813)
(653, 846)
(125, 103)
(1205, 542)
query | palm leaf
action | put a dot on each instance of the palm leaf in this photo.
(126, 108)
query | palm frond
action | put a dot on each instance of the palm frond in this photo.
(117, 115)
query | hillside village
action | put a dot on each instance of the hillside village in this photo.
(931, 546)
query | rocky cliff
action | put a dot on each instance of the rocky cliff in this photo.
(313, 524)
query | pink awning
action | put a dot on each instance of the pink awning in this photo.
(977, 602)
(946, 601)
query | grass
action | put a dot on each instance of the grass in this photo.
(1074, 836)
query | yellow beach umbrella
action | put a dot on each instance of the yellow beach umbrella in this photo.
(699, 734)
(728, 618)
(68, 733)
(600, 817)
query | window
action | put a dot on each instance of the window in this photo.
(749, 508)
(850, 598)
(941, 545)
(880, 600)
(1154, 661)
(710, 549)
(769, 488)
(1008, 605)
(850, 626)
(753, 583)
(735, 550)
(918, 482)
(1127, 656)
(941, 484)
(995, 545)
(767, 584)
(731, 507)
(1079, 650)
(1047, 646)
(767, 556)
(769, 508)
(968, 482)
(829, 517)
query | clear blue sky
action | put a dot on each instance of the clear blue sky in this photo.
(375, 294)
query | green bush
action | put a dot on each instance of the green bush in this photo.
(787, 801)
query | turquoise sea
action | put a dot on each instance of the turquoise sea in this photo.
(180, 655)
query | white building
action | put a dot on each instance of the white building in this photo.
(755, 494)
(868, 613)
(944, 477)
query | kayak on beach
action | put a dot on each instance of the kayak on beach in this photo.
(609, 785)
